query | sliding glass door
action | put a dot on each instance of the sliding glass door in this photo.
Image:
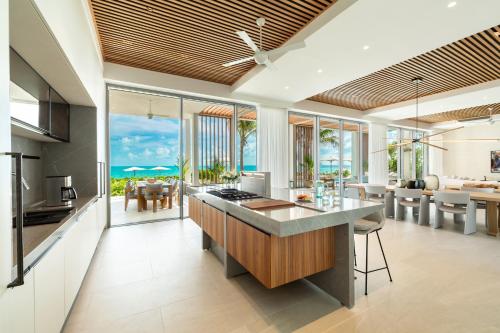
(332, 150)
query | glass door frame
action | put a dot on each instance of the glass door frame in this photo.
(400, 154)
(316, 144)
(181, 97)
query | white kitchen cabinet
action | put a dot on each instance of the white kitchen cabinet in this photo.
(17, 307)
(102, 207)
(75, 246)
(49, 291)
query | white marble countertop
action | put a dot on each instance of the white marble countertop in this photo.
(292, 220)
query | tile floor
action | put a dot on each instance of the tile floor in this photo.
(119, 216)
(155, 278)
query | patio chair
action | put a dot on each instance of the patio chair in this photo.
(153, 192)
(458, 204)
(415, 199)
(130, 192)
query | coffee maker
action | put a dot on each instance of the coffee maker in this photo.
(58, 191)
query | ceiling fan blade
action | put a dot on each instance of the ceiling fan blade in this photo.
(283, 49)
(431, 135)
(392, 145)
(430, 144)
(270, 65)
(466, 140)
(236, 62)
(243, 35)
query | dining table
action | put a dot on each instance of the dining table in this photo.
(166, 193)
(492, 202)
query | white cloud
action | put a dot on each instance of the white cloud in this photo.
(126, 140)
(162, 151)
(126, 148)
(132, 156)
(147, 152)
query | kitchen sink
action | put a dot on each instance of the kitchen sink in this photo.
(44, 216)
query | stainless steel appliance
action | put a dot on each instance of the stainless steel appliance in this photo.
(58, 191)
(232, 194)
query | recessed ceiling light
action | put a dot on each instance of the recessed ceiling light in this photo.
(366, 47)
(452, 4)
(319, 71)
(287, 87)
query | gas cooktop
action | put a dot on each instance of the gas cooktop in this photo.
(232, 194)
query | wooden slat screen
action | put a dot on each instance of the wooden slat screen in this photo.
(303, 146)
(215, 147)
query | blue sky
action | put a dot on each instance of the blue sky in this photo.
(141, 141)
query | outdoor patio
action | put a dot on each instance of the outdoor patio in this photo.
(119, 216)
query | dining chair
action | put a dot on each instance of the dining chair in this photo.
(153, 192)
(459, 204)
(130, 192)
(480, 204)
(378, 193)
(415, 199)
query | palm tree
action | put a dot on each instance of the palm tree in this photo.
(245, 129)
(327, 135)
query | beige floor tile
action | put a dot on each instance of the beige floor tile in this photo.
(155, 277)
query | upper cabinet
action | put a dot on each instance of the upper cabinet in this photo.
(34, 105)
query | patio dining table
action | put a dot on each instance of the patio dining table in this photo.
(141, 189)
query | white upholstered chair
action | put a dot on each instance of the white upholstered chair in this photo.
(459, 204)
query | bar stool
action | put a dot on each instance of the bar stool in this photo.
(365, 226)
(419, 204)
(378, 193)
(458, 204)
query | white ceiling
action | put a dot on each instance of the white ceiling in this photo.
(134, 103)
(400, 29)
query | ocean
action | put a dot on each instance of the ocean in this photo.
(118, 171)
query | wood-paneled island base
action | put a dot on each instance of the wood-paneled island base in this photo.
(279, 246)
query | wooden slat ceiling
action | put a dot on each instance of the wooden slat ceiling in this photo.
(223, 111)
(194, 38)
(474, 112)
(469, 61)
(295, 119)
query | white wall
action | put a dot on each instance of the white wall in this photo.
(436, 158)
(471, 159)
(5, 167)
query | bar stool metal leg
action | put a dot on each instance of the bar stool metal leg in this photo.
(366, 267)
(383, 255)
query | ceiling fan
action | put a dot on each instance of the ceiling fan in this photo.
(261, 56)
(426, 138)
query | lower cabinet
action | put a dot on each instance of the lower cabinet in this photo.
(17, 306)
(49, 291)
(213, 223)
(275, 261)
(194, 207)
(50, 288)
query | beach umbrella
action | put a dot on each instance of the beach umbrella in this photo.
(160, 168)
(134, 169)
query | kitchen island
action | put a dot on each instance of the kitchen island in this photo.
(314, 241)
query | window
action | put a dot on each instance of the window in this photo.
(332, 150)
(246, 139)
(407, 161)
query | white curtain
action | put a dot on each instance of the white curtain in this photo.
(272, 144)
(378, 169)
